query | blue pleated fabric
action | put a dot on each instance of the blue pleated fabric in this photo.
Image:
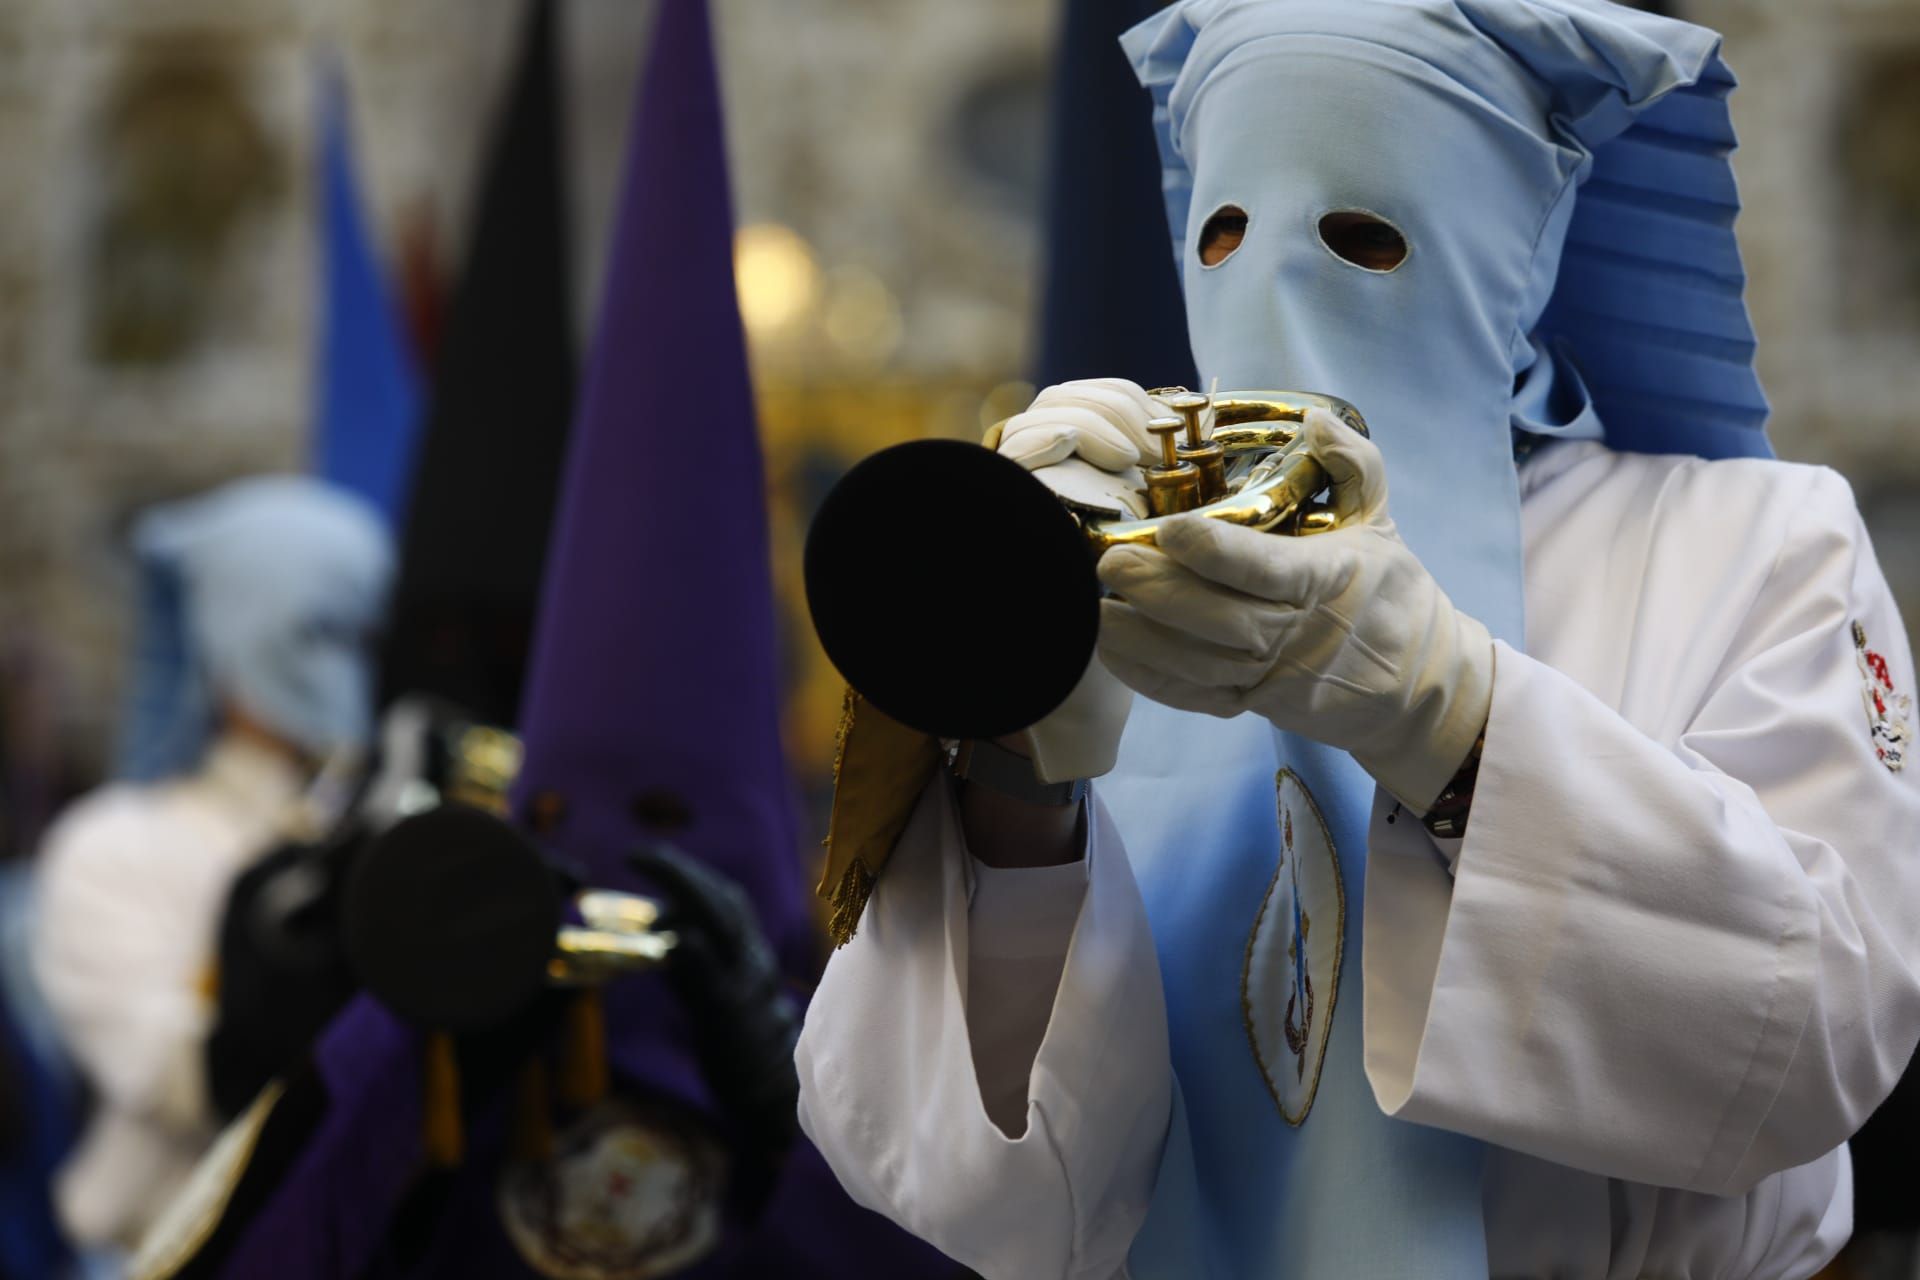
(1559, 169)
(1649, 299)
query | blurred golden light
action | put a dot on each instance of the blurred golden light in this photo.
(862, 319)
(778, 279)
(955, 413)
(1004, 401)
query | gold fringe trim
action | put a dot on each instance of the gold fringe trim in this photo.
(880, 767)
(849, 704)
(849, 900)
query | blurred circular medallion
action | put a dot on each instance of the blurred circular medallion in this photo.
(630, 1193)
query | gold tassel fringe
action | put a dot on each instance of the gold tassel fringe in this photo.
(442, 1131)
(583, 1062)
(849, 705)
(532, 1136)
(849, 900)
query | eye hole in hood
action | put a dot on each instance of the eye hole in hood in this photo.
(1363, 238)
(1226, 227)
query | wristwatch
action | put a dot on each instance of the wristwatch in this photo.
(986, 764)
(1447, 818)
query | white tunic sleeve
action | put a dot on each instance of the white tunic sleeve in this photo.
(1686, 960)
(124, 974)
(1019, 929)
(889, 1093)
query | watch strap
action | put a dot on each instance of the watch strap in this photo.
(986, 764)
(1447, 818)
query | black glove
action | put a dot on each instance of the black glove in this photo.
(745, 1022)
(283, 973)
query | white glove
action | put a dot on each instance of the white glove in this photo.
(1081, 737)
(1343, 637)
(1103, 420)
(1084, 440)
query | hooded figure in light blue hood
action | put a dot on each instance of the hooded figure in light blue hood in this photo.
(1526, 891)
(1557, 172)
(253, 667)
(1388, 188)
(259, 599)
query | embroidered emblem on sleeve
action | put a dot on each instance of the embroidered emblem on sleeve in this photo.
(1887, 707)
(1292, 968)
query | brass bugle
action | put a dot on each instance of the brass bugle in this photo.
(1273, 478)
(455, 921)
(956, 592)
(620, 934)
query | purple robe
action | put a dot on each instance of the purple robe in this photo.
(651, 710)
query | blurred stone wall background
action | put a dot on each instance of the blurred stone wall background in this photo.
(156, 244)
(157, 247)
(1828, 111)
(157, 263)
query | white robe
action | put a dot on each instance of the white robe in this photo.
(132, 883)
(1669, 970)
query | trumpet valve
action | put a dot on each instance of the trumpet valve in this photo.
(1211, 459)
(1175, 484)
(1188, 406)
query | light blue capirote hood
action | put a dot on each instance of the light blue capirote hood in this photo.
(1560, 171)
(264, 593)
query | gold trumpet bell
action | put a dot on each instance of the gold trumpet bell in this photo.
(957, 593)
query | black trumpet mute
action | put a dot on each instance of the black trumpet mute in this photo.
(952, 590)
(450, 919)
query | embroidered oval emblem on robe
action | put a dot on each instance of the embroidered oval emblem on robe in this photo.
(629, 1194)
(1292, 969)
(1887, 707)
